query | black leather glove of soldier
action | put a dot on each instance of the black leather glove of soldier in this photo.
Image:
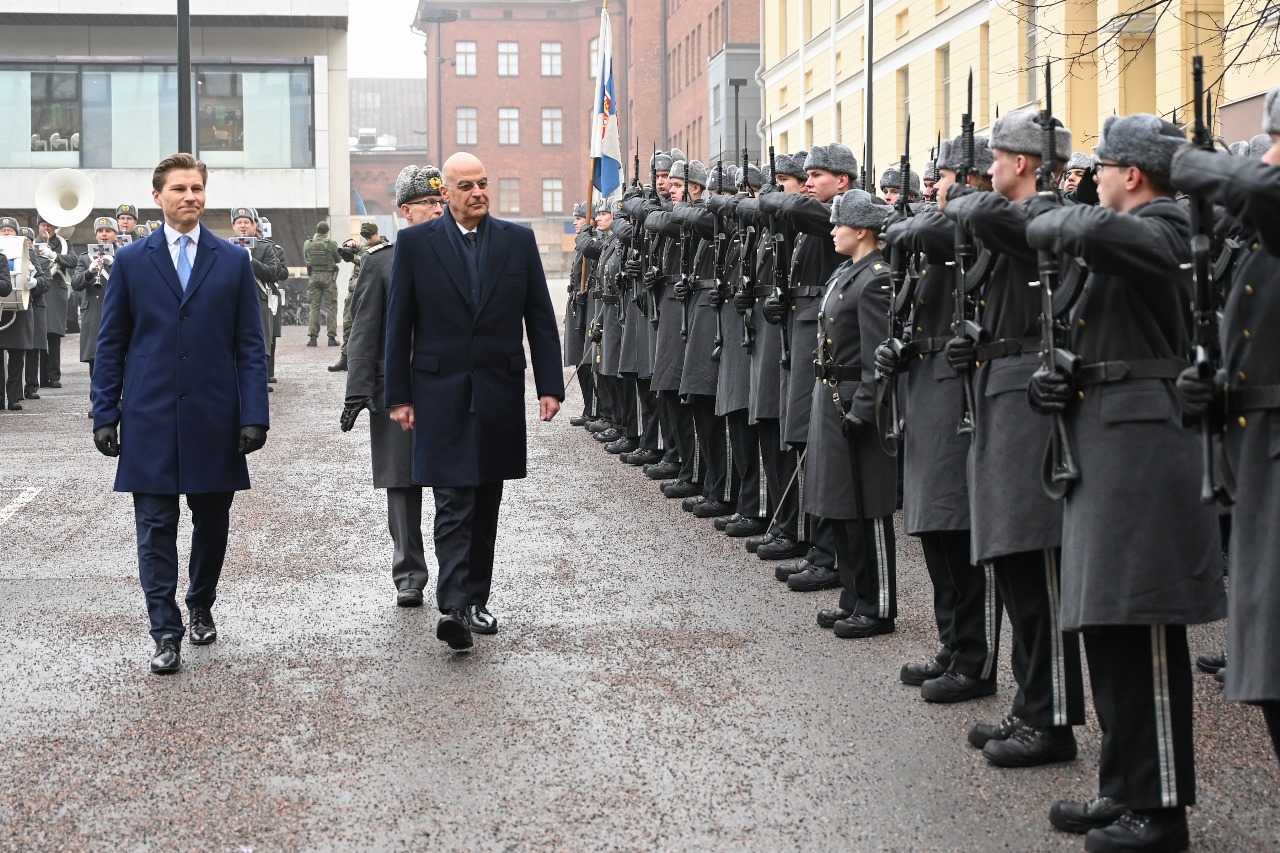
(744, 300)
(681, 288)
(956, 191)
(633, 266)
(1195, 394)
(1048, 391)
(716, 297)
(252, 438)
(887, 359)
(351, 410)
(1038, 204)
(107, 439)
(851, 425)
(961, 355)
(774, 310)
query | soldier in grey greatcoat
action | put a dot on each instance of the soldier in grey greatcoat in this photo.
(42, 282)
(608, 324)
(62, 266)
(635, 359)
(18, 338)
(267, 259)
(1132, 588)
(90, 279)
(418, 192)
(575, 324)
(935, 495)
(1249, 410)
(1015, 526)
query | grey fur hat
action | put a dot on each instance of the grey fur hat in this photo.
(755, 178)
(931, 171)
(1271, 111)
(859, 209)
(953, 151)
(414, 183)
(726, 182)
(793, 165)
(690, 171)
(1079, 160)
(1258, 146)
(892, 177)
(834, 158)
(1020, 132)
(1239, 149)
(661, 161)
(580, 209)
(1141, 140)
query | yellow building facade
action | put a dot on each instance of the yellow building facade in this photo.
(1108, 57)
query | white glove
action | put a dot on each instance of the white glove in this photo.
(31, 279)
(48, 254)
(108, 260)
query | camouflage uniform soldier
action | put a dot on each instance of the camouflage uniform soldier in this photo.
(354, 254)
(321, 254)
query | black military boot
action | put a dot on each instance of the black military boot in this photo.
(1075, 817)
(311, 341)
(1159, 829)
(341, 364)
(1030, 746)
(813, 579)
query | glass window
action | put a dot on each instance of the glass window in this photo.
(464, 58)
(55, 111)
(508, 59)
(552, 126)
(508, 126)
(468, 132)
(593, 56)
(509, 195)
(551, 59)
(254, 117)
(220, 126)
(552, 195)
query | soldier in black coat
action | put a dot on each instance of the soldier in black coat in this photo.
(575, 324)
(62, 266)
(267, 260)
(1132, 588)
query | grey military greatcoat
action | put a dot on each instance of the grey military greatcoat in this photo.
(766, 350)
(668, 356)
(700, 373)
(58, 298)
(92, 285)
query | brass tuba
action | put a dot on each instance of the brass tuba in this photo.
(64, 197)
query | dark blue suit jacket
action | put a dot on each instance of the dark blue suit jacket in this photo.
(462, 365)
(181, 372)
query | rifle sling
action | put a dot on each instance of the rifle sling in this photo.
(1108, 372)
(1241, 400)
(837, 372)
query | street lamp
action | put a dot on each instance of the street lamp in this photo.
(439, 17)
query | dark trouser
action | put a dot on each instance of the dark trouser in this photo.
(684, 433)
(822, 538)
(1271, 713)
(744, 439)
(13, 379)
(404, 520)
(1046, 659)
(867, 561)
(587, 384)
(779, 468)
(33, 369)
(466, 530)
(966, 603)
(713, 446)
(51, 361)
(271, 356)
(1141, 679)
(628, 405)
(650, 424)
(156, 520)
(604, 398)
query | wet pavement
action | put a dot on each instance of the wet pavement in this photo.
(652, 687)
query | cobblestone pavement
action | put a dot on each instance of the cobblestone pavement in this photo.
(652, 687)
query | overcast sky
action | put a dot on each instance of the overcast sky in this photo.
(379, 42)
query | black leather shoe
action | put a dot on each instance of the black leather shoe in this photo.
(1163, 830)
(860, 627)
(643, 457)
(983, 733)
(271, 380)
(784, 571)
(1030, 746)
(201, 631)
(828, 618)
(712, 509)
(168, 656)
(1221, 676)
(17, 407)
(662, 470)
(598, 425)
(754, 542)
(481, 620)
(1211, 662)
(745, 527)
(578, 420)
(690, 502)
(1079, 818)
(725, 520)
(782, 548)
(54, 384)
(608, 435)
(813, 579)
(30, 394)
(454, 630)
(409, 597)
(622, 445)
(956, 687)
(682, 489)
(917, 673)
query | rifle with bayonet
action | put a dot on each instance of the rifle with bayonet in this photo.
(899, 261)
(1059, 471)
(965, 323)
(1206, 352)
(748, 236)
(651, 243)
(783, 240)
(719, 246)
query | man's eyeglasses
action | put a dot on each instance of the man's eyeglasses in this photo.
(1101, 166)
(468, 186)
(429, 202)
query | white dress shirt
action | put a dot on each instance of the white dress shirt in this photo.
(172, 237)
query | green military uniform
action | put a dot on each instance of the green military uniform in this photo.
(321, 254)
(355, 256)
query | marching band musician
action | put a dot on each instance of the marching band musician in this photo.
(91, 276)
(42, 281)
(18, 337)
(267, 260)
(62, 265)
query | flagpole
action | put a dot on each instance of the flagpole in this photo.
(591, 161)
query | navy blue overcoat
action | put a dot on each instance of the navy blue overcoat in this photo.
(181, 373)
(461, 364)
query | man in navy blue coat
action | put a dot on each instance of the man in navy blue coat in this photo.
(180, 396)
(465, 289)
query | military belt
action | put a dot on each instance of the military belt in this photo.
(1252, 399)
(805, 291)
(703, 284)
(610, 298)
(837, 372)
(1108, 372)
(923, 346)
(764, 290)
(1006, 347)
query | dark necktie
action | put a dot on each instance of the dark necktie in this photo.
(472, 241)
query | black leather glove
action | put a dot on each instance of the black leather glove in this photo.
(887, 359)
(774, 310)
(956, 191)
(893, 234)
(895, 216)
(1087, 190)
(744, 300)
(252, 438)
(651, 277)
(1038, 204)
(580, 298)
(682, 288)
(351, 411)
(1195, 395)
(596, 334)
(961, 355)
(851, 425)
(1048, 391)
(716, 297)
(633, 267)
(107, 439)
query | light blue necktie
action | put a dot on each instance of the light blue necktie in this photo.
(184, 261)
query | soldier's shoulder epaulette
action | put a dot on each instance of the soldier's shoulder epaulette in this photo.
(378, 248)
(880, 268)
